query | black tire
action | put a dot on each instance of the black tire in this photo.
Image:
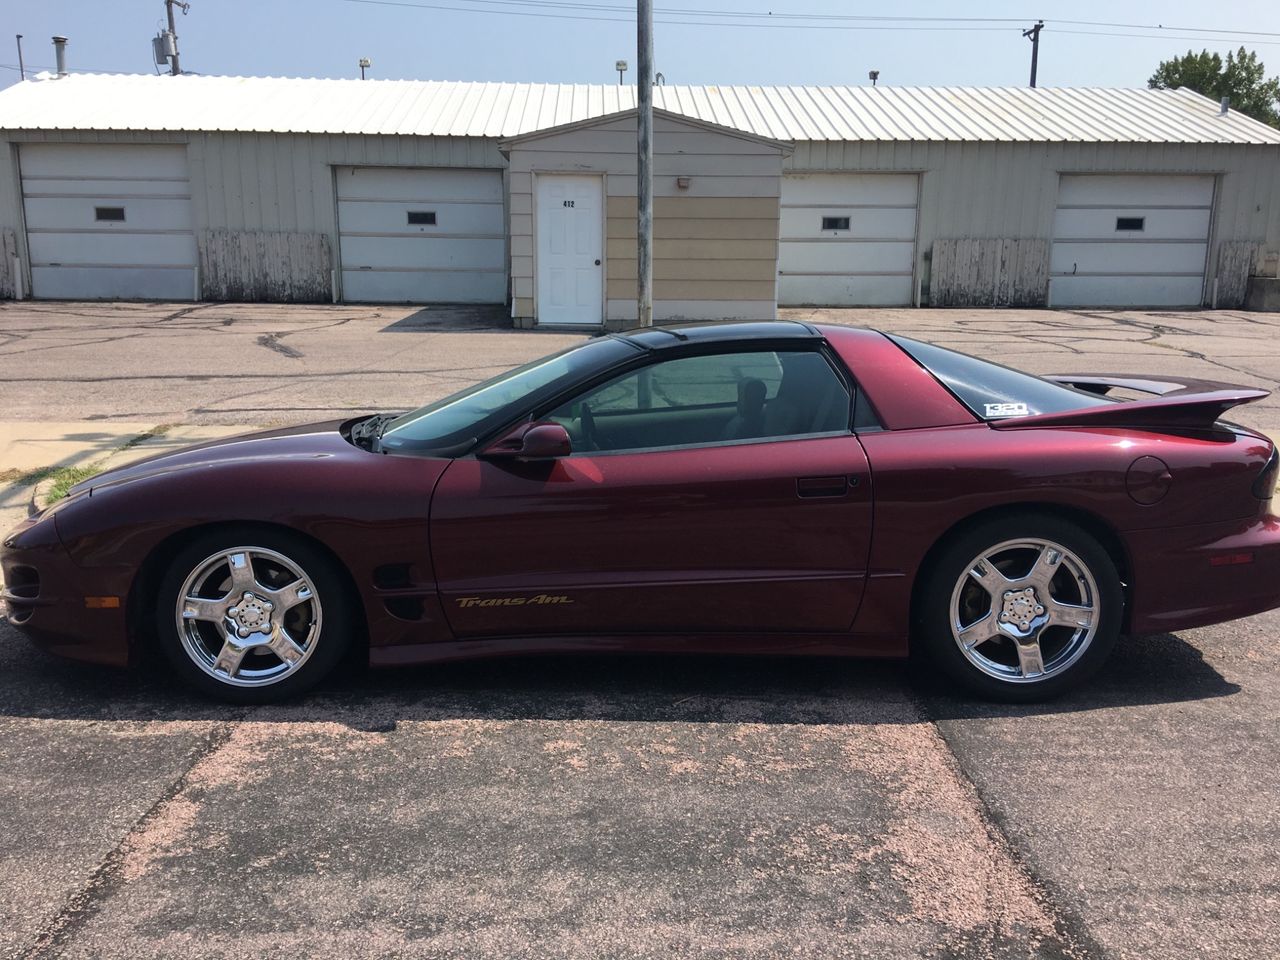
(333, 625)
(934, 636)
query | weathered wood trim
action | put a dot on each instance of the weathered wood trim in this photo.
(996, 272)
(262, 265)
(1237, 261)
(8, 250)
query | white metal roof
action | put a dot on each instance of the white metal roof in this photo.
(504, 110)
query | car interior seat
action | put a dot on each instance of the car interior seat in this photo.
(809, 400)
(748, 421)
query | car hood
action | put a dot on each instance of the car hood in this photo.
(306, 441)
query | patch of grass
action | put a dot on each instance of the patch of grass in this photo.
(24, 478)
(67, 477)
(64, 478)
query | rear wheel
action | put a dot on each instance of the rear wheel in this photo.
(252, 616)
(1022, 608)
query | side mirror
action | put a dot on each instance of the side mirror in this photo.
(542, 441)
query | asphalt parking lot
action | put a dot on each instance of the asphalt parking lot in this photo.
(621, 807)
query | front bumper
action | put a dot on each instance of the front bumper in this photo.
(45, 593)
(1193, 576)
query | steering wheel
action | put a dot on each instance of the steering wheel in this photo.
(587, 426)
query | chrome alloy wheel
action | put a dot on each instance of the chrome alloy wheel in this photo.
(248, 616)
(1024, 610)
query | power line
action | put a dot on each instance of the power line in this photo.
(821, 20)
(1159, 36)
(1161, 26)
(687, 23)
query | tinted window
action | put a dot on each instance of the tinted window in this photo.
(472, 412)
(725, 397)
(994, 392)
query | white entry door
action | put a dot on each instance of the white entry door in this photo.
(570, 250)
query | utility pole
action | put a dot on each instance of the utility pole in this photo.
(644, 162)
(22, 69)
(174, 68)
(1034, 36)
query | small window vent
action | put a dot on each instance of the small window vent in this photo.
(422, 218)
(1131, 223)
(835, 223)
(109, 214)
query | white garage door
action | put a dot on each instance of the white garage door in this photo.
(108, 222)
(409, 235)
(848, 239)
(1130, 241)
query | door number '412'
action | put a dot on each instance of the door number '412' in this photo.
(568, 203)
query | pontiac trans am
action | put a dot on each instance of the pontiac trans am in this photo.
(736, 488)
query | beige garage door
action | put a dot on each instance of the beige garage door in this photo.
(415, 235)
(847, 239)
(108, 221)
(1130, 241)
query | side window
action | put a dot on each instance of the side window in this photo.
(713, 398)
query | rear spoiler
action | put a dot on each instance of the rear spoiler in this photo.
(1177, 402)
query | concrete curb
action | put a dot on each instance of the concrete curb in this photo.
(154, 441)
(39, 496)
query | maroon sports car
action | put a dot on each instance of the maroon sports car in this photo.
(736, 488)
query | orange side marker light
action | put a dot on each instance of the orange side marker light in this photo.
(1230, 559)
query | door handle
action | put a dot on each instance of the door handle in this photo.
(809, 487)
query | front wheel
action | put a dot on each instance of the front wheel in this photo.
(1021, 609)
(252, 617)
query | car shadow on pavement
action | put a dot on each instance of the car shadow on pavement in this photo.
(606, 687)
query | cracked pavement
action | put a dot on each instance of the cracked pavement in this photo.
(612, 806)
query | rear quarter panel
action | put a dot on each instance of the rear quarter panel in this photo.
(929, 481)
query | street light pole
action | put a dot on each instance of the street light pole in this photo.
(644, 162)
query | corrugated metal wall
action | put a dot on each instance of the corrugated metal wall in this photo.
(995, 191)
(248, 188)
(1008, 191)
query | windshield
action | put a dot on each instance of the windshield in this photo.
(994, 392)
(463, 417)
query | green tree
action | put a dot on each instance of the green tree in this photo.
(1242, 77)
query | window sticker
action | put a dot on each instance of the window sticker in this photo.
(995, 410)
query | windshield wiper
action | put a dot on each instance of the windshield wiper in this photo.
(365, 433)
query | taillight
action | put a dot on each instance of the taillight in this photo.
(1265, 485)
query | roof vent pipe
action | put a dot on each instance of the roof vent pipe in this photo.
(1226, 105)
(60, 52)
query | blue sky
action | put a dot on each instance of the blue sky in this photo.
(326, 38)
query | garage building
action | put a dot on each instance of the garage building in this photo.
(227, 188)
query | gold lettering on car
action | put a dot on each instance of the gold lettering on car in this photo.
(542, 599)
